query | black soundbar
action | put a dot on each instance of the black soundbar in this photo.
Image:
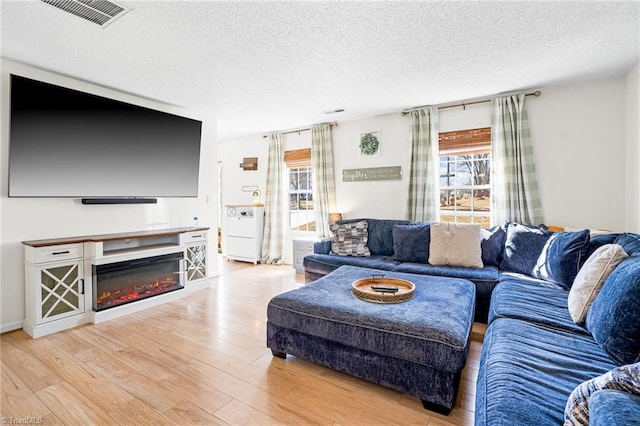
(119, 200)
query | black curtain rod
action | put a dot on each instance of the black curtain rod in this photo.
(464, 104)
(298, 131)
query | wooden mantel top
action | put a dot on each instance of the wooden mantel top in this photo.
(111, 237)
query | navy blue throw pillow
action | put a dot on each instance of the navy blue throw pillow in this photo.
(522, 248)
(562, 256)
(411, 243)
(493, 244)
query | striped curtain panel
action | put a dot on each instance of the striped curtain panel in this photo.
(324, 187)
(514, 184)
(423, 201)
(272, 240)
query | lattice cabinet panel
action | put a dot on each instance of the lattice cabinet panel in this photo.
(61, 291)
(196, 262)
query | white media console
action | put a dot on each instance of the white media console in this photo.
(60, 274)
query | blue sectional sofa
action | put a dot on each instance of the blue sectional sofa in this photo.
(535, 358)
(534, 355)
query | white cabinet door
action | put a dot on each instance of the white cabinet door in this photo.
(241, 227)
(59, 290)
(242, 248)
(196, 262)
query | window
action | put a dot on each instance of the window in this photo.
(300, 190)
(465, 173)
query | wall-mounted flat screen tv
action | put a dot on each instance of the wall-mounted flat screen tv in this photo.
(67, 143)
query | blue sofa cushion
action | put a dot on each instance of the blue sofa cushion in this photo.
(611, 407)
(532, 302)
(562, 256)
(488, 273)
(493, 245)
(625, 378)
(322, 264)
(512, 276)
(411, 242)
(629, 242)
(528, 370)
(522, 248)
(614, 316)
(380, 240)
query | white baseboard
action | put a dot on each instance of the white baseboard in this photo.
(11, 326)
(47, 328)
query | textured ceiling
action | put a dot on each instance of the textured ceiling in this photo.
(265, 66)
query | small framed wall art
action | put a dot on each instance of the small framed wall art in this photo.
(370, 143)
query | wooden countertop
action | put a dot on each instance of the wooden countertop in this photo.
(112, 237)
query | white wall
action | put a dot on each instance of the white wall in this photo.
(632, 154)
(34, 218)
(578, 136)
(578, 133)
(579, 143)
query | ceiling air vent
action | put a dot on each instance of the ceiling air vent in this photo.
(101, 12)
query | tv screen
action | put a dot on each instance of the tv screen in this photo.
(67, 143)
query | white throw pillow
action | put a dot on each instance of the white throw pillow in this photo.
(590, 279)
(456, 244)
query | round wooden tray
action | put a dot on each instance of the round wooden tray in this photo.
(362, 289)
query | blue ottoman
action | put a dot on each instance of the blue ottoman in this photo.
(419, 346)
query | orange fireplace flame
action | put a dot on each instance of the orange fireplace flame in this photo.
(140, 291)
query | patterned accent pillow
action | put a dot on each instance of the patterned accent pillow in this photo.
(350, 239)
(590, 279)
(625, 378)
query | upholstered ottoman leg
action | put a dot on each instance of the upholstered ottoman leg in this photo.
(440, 409)
(279, 354)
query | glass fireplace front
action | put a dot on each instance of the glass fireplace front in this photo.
(115, 284)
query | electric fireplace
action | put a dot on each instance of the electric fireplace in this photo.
(115, 284)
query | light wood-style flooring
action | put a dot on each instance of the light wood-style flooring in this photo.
(200, 360)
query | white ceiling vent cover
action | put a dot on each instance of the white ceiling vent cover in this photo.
(101, 12)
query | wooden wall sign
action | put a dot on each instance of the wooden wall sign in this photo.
(372, 173)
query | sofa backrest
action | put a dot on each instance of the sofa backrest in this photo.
(630, 242)
(380, 241)
(614, 317)
(598, 240)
